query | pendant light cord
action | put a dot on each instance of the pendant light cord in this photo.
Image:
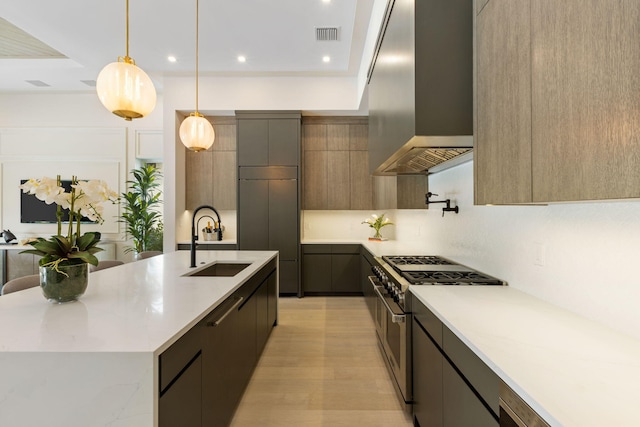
(197, 32)
(127, 30)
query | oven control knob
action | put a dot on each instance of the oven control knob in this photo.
(400, 298)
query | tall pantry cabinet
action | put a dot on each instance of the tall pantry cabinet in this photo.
(269, 189)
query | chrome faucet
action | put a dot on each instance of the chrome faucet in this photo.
(194, 233)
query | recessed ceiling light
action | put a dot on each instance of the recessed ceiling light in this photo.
(242, 58)
(326, 59)
(326, 1)
(171, 58)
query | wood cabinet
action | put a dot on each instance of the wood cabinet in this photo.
(586, 133)
(452, 387)
(204, 374)
(331, 269)
(210, 175)
(502, 152)
(480, 4)
(556, 101)
(335, 163)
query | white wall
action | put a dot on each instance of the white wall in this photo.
(588, 251)
(33, 129)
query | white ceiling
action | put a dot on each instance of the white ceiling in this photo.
(276, 36)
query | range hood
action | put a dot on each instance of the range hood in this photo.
(428, 155)
(421, 88)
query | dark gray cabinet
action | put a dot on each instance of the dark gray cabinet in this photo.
(224, 371)
(332, 269)
(366, 263)
(181, 404)
(268, 218)
(180, 400)
(204, 374)
(268, 138)
(268, 189)
(427, 379)
(233, 340)
(452, 387)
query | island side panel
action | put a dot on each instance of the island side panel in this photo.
(77, 389)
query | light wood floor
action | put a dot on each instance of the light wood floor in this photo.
(321, 367)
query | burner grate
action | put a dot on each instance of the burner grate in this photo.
(449, 278)
(417, 260)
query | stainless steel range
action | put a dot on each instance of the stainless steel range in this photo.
(392, 309)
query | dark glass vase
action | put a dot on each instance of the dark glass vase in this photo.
(65, 285)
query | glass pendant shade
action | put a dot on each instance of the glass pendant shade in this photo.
(126, 90)
(196, 132)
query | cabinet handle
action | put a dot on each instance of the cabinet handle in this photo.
(233, 307)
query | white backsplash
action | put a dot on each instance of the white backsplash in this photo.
(343, 225)
(581, 256)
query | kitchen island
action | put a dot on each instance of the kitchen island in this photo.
(94, 362)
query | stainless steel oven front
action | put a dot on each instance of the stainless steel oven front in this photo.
(393, 327)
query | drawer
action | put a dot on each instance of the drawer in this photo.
(479, 375)
(345, 249)
(428, 320)
(174, 359)
(316, 249)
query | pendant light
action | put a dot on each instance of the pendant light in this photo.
(196, 132)
(124, 88)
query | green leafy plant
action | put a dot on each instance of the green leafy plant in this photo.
(377, 222)
(84, 199)
(156, 237)
(141, 211)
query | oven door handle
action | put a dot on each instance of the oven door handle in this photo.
(395, 318)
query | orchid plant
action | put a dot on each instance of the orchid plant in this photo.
(377, 222)
(84, 199)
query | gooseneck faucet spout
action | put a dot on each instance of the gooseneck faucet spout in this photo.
(194, 233)
(448, 208)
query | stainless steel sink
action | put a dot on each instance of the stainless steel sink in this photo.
(220, 269)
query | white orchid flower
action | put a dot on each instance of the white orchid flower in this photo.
(97, 190)
(45, 189)
(64, 200)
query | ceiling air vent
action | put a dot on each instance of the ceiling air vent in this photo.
(38, 83)
(327, 34)
(90, 83)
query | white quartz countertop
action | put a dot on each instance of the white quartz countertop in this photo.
(571, 370)
(377, 248)
(142, 306)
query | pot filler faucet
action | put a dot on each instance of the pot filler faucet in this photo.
(448, 208)
(194, 226)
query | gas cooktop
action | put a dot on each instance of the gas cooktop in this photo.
(436, 270)
(449, 278)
